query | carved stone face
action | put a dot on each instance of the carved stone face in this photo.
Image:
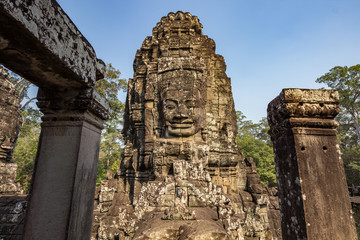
(183, 112)
(9, 124)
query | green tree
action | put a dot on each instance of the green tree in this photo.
(351, 158)
(255, 143)
(346, 80)
(346, 131)
(111, 145)
(25, 151)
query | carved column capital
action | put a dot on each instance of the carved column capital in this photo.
(309, 169)
(303, 108)
(71, 104)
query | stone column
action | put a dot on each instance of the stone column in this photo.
(62, 195)
(313, 195)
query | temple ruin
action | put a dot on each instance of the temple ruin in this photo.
(182, 175)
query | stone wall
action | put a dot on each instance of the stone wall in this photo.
(12, 212)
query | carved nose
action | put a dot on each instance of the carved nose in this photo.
(183, 111)
(180, 118)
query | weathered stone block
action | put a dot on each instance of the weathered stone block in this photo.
(313, 195)
(261, 199)
(165, 200)
(194, 201)
(104, 207)
(274, 202)
(50, 43)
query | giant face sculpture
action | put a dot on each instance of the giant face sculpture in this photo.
(10, 119)
(9, 125)
(182, 105)
(183, 112)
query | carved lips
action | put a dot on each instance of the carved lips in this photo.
(8, 135)
(185, 128)
(182, 112)
(180, 120)
(6, 147)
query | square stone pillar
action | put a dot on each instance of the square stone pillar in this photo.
(313, 196)
(63, 186)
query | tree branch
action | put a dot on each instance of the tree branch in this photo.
(27, 103)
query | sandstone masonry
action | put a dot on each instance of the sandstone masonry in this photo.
(182, 175)
(313, 195)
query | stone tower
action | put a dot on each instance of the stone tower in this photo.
(182, 175)
(12, 201)
(10, 123)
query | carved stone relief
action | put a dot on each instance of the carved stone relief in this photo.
(10, 124)
(182, 175)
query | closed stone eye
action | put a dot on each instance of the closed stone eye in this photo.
(170, 107)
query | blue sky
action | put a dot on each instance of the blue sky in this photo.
(268, 45)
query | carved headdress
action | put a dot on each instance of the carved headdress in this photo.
(184, 71)
(176, 50)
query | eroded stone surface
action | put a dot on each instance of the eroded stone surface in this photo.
(10, 124)
(39, 42)
(12, 214)
(47, 43)
(182, 175)
(313, 195)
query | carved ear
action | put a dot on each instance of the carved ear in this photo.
(204, 134)
(161, 120)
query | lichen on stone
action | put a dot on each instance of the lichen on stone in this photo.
(181, 175)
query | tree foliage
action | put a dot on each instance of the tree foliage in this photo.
(111, 144)
(255, 142)
(351, 158)
(346, 80)
(25, 151)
